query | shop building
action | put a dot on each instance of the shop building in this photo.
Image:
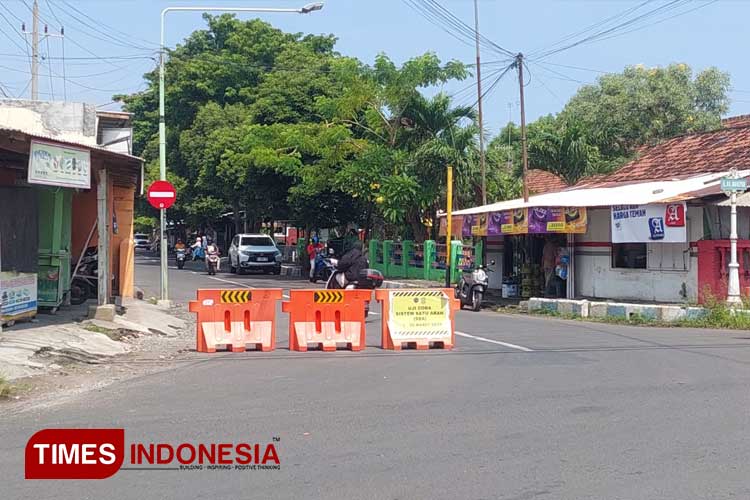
(657, 229)
(61, 192)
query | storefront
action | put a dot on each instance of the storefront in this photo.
(53, 195)
(530, 247)
(634, 241)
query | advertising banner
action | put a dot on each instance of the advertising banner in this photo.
(56, 165)
(665, 223)
(514, 221)
(479, 225)
(557, 220)
(18, 295)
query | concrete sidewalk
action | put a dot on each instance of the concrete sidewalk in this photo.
(51, 341)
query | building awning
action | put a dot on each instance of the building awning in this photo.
(126, 169)
(641, 193)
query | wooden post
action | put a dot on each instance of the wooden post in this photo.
(102, 206)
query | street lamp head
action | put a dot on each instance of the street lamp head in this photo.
(311, 7)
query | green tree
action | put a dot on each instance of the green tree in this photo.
(644, 105)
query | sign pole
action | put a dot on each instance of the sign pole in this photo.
(162, 195)
(731, 185)
(448, 226)
(733, 289)
(163, 249)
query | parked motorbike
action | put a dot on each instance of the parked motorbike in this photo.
(85, 281)
(473, 285)
(212, 260)
(180, 256)
(368, 279)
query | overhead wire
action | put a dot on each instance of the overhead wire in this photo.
(448, 22)
(671, 5)
(599, 24)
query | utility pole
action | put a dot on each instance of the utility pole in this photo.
(35, 52)
(524, 146)
(448, 225)
(482, 163)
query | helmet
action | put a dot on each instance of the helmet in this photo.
(315, 239)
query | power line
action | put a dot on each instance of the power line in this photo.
(591, 27)
(448, 22)
(673, 4)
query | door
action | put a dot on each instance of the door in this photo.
(233, 249)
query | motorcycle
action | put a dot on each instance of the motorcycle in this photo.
(324, 266)
(180, 256)
(470, 290)
(85, 280)
(368, 279)
(212, 260)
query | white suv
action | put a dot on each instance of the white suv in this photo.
(141, 241)
(254, 252)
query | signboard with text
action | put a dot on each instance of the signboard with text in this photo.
(17, 295)
(664, 223)
(56, 165)
(557, 220)
(732, 185)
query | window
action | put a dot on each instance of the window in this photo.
(629, 255)
(257, 241)
(669, 256)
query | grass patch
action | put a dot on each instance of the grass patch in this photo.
(6, 388)
(718, 316)
(116, 334)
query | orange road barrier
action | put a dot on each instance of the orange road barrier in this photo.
(419, 318)
(236, 318)
(326, 318)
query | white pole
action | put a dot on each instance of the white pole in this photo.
(733, 290)
(162, 121)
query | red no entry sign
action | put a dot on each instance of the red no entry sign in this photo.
(161, 194)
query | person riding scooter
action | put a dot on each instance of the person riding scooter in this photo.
(212, 251)
(351, 264)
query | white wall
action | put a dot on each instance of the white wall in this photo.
(595, 276)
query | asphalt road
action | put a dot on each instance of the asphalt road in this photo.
(524, 408)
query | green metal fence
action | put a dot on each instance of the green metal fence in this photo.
(424, 261)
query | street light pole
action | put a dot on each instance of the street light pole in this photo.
(307, 9)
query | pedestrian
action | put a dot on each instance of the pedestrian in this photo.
(313, 248)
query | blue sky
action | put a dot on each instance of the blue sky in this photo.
(714, 34)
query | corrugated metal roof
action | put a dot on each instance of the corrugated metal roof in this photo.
(46, 137)
(623, 194)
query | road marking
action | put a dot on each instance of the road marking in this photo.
(243, 285)
(506, 344)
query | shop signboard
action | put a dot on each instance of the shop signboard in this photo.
(18, 295)
(56, 165)
(557, 220)
(664, 223)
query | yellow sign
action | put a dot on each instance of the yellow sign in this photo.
(419, 313)
(326, 297)
(236, 296)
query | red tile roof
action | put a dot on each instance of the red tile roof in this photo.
(689, 155)
(541, 181)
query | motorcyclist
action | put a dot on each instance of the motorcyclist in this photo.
(352, 263)
(212, 249)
